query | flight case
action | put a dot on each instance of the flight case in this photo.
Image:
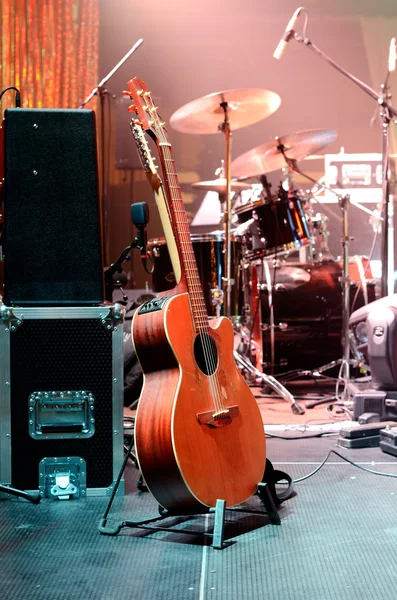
(61, 403)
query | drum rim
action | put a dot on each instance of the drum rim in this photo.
(194, 237)
(250, 205)
(278, 251)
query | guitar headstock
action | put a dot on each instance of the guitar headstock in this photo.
(145, 154)
(146, 110)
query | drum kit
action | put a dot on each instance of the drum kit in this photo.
(269, 269)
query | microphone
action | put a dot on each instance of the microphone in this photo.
(140, 218)
(392, 56)
(288, 34)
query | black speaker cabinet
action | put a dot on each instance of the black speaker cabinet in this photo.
(52, 235)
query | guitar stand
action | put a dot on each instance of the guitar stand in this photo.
(266, 492)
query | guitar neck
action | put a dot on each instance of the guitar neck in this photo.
(182, 237)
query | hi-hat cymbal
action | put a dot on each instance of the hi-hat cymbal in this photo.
(268, 157)
(219, 185)
(244, 107)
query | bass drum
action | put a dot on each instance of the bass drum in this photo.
(307, 305)
(209, 253)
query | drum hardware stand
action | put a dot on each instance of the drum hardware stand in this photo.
(271, 382)
(387, 113)
(224, 127)
(217, 300)
(269, 285)
(101, 91)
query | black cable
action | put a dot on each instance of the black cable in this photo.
(302, 373)
(302, 437)
(308, 398)
(347, 460)
(304, 29)
(312, 403)
(17, 95)
(131, 455)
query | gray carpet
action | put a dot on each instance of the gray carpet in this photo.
(337, 540)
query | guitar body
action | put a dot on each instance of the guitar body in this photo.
(199, 435)
(188, 463)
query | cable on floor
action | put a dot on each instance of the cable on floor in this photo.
(302, 437)
(394, 475)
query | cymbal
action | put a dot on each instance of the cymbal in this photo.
(315, 157)
(219, 185)
(244, 107)
(267, 157)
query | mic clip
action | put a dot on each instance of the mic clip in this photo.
(288, 35)
(141, 244)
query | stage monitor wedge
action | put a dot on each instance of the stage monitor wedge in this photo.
(52, 242)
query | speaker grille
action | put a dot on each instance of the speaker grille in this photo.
(52, 237)
(61, 354)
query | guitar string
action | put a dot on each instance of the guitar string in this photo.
(193, 283)
(200, 317)
(209, 359)
(201, 322)
(151, 109)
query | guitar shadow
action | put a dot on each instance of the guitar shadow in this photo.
(197, 530)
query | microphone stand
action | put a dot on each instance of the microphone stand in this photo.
(33, 497)
(140, 218)
(101, 91)
(387, 113)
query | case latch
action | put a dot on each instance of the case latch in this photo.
(62, 478)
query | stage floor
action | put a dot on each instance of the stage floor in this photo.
(337, 538)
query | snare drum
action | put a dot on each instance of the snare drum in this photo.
(209, 253)
(272, 228)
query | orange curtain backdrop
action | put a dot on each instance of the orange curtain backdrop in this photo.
(49, 50)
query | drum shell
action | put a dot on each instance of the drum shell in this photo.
(273, 227)
(307, 311)
(209, 254)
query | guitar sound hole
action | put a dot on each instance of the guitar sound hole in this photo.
(205, 353)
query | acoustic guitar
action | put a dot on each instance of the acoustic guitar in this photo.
(199, 435)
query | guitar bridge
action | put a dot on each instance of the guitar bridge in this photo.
(219, 418)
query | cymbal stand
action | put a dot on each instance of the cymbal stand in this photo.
(345, 362)
(224, 127)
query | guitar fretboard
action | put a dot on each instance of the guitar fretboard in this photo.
(182, 236)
